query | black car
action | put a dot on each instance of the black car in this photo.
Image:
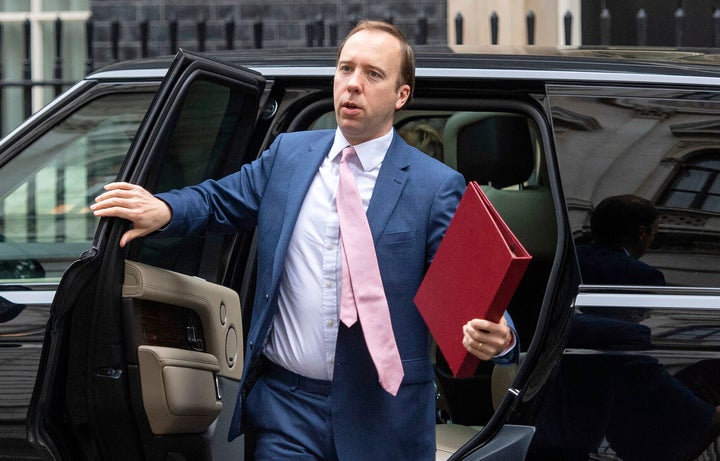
(136, 353)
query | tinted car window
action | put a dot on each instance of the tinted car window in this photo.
(664, 148)
(45, 221)
(196, 147)
(639, 374)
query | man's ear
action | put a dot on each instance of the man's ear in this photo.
(402, 96)
(645, 232)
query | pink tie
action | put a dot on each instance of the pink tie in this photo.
(362, 294)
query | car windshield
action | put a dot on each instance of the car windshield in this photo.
(45, 222)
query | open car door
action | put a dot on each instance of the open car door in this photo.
(143, 351)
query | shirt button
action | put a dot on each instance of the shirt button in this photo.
(328, 284)
(330, 323)
(330, 246)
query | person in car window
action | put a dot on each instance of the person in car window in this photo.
(623, 227)
(630, 400)
(310, 388)
(422, 135)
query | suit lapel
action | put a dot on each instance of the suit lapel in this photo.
(298, 184)
(389, 186)
(300, 181)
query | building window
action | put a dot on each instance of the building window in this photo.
(41, 15)
(696, 184)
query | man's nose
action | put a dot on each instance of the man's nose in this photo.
(354, 83)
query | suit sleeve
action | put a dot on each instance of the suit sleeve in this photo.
(445, 202)
(226, 205)
(513, 355)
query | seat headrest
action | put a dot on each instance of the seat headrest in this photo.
(490, 148)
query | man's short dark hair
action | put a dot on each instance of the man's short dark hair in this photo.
(616, 220)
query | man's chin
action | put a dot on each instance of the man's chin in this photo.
(350, 130)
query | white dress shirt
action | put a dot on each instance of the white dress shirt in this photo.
(305, 328)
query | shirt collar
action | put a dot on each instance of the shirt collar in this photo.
(370, 153)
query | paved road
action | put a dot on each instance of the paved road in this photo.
(19, 365)
(14, 446)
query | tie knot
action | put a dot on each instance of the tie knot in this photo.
(347, 153)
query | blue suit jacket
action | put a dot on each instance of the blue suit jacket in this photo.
(413, 201)
(608, 265)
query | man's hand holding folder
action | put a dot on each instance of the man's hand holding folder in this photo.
(487, 340)
(475, 273)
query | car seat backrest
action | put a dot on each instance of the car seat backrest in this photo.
(490, 148)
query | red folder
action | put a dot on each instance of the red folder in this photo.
(474, 274)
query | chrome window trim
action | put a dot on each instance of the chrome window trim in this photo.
(440, 72)
(28, 297)
(661, 298)
(514, 74)
(574, 76)
(657, 353)
(129, 74)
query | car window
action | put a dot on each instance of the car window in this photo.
(45, 222)
(664, 149)
(200, 144)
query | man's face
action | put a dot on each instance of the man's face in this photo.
(365, 85)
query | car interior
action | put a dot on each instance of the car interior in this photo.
(501, 151)
(179, 384)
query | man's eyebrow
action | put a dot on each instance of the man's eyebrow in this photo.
(367, 67)
(377, 69)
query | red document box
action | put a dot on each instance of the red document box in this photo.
(476, 270)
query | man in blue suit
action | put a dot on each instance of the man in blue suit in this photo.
(310, 389)
(623, 228)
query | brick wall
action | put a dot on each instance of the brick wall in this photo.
(284, 22)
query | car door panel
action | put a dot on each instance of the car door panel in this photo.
(139, 351)
(178, 389)
(218, 308)
(180, 361)
(639, 359)
(510, 443)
